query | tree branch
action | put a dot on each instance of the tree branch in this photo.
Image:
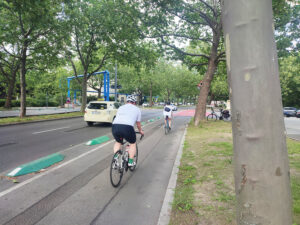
(78, 49)
(181, 51)
(221, 54)
(100, 65)
(210, 22)
(15, 56)
(180, 36)
(187, 20)
(210, 7)
(73, 65)
(91, 45)
(198, 65)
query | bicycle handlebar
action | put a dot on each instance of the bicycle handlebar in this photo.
(137, 132)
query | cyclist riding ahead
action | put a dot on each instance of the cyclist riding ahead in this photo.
(168, 112)
(123, 126)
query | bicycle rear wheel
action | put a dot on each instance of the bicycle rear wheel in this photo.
(167, 126)
(116, 172)
(211, 117)
(135, 159)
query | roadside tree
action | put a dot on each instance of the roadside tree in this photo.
(31, 34)
(101, 31)
(262, 182)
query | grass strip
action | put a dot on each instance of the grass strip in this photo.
(13, 120)
(205, 186)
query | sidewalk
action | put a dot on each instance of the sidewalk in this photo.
(34, 111)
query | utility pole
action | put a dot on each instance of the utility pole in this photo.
(261, 165)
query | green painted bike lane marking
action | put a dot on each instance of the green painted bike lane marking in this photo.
(98, 140)
(36, 165)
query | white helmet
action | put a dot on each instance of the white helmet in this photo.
(131, 98)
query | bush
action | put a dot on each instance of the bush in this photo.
(41, 102)
(91, 98)
(15, 103)
(33, 102)
(2, 102)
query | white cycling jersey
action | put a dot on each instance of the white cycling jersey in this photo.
(168, 113)
(128, 114)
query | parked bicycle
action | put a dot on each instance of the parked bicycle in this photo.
(212, 115)
(224, 115)
(119, 163)
(167, 125)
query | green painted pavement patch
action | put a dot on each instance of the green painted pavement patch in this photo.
(36, 165)
(98, 140)
(143, 123)
(152, 120)
(158, 117)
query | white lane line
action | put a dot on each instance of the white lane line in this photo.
(51, 170)
(50, 130)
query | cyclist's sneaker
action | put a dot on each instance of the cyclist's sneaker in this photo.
(116, 155)
(130, 164)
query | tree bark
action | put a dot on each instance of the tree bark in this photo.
(23, 81)
(150, 102)
(84, 89)
(262, 181)
(204, 90)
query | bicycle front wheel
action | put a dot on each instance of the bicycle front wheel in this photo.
(135, 159)
(211, 117)
(116, 171)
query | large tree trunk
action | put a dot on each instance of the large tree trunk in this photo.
(204, 90)
(262, 181)
(10, 91)
(23, 82)
(84, 89)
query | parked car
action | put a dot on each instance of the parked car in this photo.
(145, 104)
(298, 113)
(289, 111)
(100, 111)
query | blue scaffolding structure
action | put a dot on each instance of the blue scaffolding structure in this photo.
(105, 81)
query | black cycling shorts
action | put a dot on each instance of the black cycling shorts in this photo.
(121, 131)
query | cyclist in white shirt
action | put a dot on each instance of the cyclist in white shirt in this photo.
(168, 111)
(123, 126)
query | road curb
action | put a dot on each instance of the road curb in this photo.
(36, 165)
(166, 209)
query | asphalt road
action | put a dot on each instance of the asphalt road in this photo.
(292, 126)
(78, 190)
(24, 143)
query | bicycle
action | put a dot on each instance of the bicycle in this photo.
(212, 115)
(167, 126)
(119, 163)
(225, 115)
